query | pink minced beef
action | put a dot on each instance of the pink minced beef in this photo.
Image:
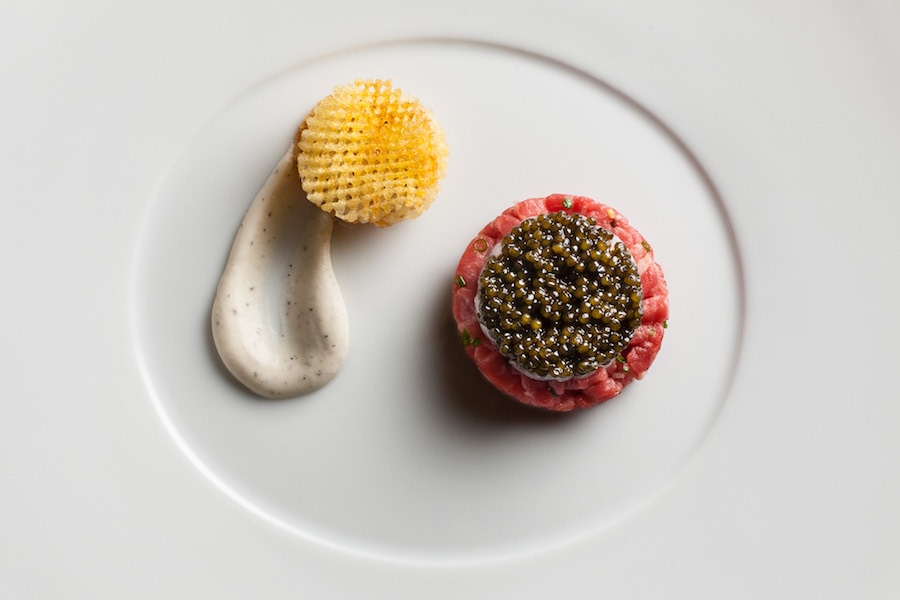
(583, 392)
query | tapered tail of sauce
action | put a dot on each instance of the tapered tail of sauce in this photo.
(278, 320)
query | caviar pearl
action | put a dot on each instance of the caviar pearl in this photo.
(561, 297)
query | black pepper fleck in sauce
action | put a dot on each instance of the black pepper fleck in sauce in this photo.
(277, 355)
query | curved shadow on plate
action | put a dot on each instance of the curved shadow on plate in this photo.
(354, 238)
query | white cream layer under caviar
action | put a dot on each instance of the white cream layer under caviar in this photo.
(278, 321)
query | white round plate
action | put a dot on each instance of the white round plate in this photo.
(753, 147)
(419, 449)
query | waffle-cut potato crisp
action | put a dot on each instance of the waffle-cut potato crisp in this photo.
(369, 153)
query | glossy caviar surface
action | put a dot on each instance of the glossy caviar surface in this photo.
(561, 298)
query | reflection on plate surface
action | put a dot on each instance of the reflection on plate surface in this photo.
(408, 454)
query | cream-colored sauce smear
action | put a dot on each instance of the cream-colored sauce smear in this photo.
(278, 321)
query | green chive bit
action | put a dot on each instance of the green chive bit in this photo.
(480, 245)
(646, 245)
(626, 368)
(620, 359)
(567, 202)
(467, 339)
(665, 324)
(460, 281)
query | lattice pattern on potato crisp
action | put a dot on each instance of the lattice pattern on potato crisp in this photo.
(369, 153)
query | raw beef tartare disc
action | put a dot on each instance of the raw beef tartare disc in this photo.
(560, 303)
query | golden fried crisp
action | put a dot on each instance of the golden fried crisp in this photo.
(369, 153)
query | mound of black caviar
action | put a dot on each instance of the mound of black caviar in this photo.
(561, 298)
